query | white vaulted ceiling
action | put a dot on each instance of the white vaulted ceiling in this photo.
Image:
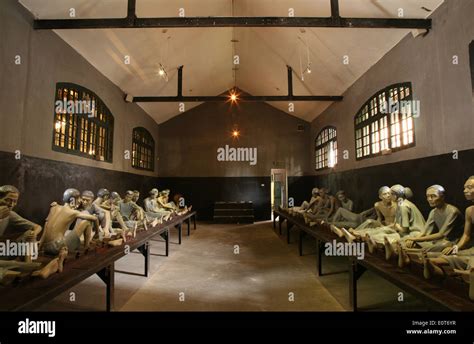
(206, 53)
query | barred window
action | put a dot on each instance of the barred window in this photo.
(143, 149)
(83, 125)
(385, 122)
(326, 148)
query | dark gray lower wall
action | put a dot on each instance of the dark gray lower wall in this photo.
(43, 181)
(299, 188)
(362, 185)
(202, 192)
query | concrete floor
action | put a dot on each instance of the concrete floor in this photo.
(206, 274)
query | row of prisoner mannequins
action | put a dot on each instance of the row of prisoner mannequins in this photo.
(106, 219)
(443, 243)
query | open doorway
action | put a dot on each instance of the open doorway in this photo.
(279, 188)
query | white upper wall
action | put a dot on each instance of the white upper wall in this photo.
(444, 90)
(29, 88)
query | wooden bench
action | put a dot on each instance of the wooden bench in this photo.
(191, 216)
(321, 236)
(436, 294)
(447, 294)
(33, 292)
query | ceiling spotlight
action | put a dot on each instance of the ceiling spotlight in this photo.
(235, 133)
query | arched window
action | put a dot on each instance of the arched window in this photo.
(385, 122)
(326, 148)
(143, 149)
(83, 125)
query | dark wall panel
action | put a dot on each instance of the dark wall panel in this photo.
(42, 181)
(299, 188)
(362, 185)
(202, 192)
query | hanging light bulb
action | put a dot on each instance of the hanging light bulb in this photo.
(233, 96)
(307, 70)
(162, 72)
(301, 63)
